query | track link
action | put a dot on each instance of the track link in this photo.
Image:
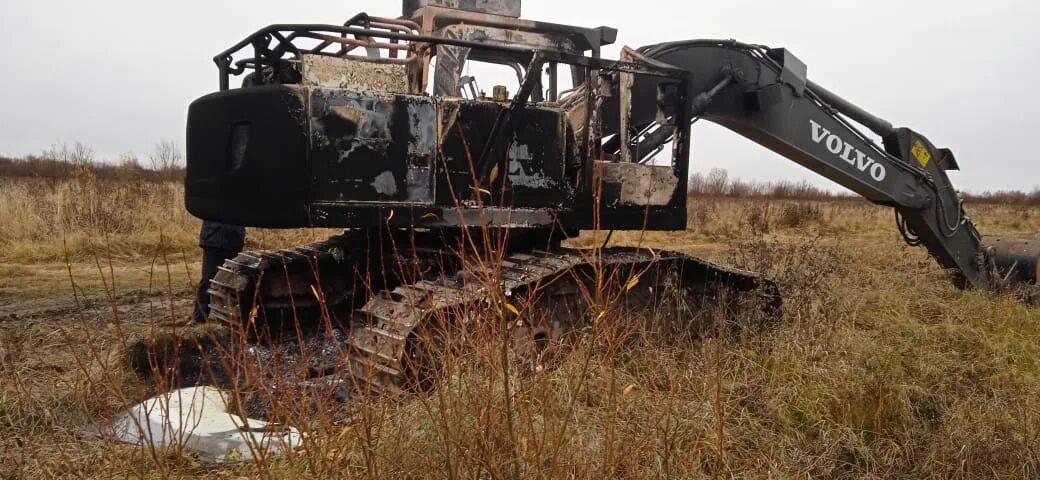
(390, 320)
(383, 338)
(282, 281)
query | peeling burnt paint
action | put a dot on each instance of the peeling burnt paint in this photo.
(533, 166)
(447, 114)
(452, 60)
(350, 114)
(383, 75)
(509, 37)
(423, 126)
(520, 172)
(385, 184)
(640, 185)
(510, 8)
(420, 187)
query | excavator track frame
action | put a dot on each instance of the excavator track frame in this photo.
(387, 344)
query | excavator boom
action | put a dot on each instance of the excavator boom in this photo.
(765, 95)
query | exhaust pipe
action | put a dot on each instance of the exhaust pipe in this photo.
(1013, 260)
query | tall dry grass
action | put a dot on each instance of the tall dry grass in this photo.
(878, 369)
(43, 220)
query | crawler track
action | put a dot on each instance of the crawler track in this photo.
(388, 343)
(279, 283)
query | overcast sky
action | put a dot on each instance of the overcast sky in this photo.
(119, 75)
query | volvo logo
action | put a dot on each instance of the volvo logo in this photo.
(847, 152)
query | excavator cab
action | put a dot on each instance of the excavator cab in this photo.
(349, 126)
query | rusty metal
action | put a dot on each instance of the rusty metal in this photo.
(282, 38)
(365, 21)
(432, 19)
(385, 75)
(439, 21)
(506, 8)
(360, 43)
(507, 36)
(385, 22)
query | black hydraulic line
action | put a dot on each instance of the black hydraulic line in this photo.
(654, 140)
(906, 231)
(703, 100)
(356, 19)
(877, 124)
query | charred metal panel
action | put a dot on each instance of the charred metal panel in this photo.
(507, 8)
(531, 175)
(383, 75)
(639, 185)
(509, 37)
(362, 157)
(369, 147)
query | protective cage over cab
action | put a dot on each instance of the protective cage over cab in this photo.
(377, 122)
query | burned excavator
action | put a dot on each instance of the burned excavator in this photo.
(377, 127)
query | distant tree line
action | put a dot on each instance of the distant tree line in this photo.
(718, 183)
(64, 160)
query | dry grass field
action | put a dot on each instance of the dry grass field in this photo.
(879, 368)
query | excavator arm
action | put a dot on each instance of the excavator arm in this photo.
(764, 95)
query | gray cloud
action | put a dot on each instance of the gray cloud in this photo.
(119, 75)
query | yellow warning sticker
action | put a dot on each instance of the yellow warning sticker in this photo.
(921, 153)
